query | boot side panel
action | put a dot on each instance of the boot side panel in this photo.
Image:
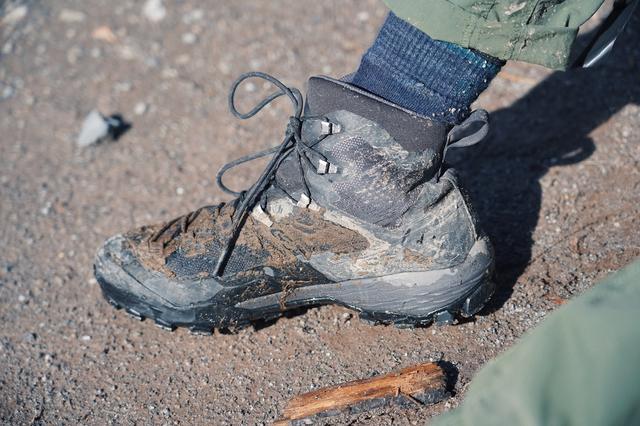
(432, 235)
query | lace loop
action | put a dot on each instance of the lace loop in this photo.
(292, 143)
(291, 92)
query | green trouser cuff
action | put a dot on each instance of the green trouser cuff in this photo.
(528, 31)
(580, 366)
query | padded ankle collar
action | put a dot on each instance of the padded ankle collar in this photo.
(413, 132)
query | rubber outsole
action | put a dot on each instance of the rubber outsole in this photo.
(465, 307)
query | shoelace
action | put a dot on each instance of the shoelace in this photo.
(291, 144)
(246, 200)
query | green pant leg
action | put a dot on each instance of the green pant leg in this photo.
(580, 366)
(539, 32)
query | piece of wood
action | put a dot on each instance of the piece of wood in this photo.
(419, 385)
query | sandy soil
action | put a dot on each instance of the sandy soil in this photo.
(557, 187)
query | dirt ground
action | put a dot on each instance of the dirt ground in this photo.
(557, 187)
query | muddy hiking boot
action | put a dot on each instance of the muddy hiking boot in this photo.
(354, 208)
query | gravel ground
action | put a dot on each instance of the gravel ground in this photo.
(557, 187)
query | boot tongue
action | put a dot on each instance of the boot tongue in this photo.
(413, 132)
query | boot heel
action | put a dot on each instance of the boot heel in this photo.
(476, 301)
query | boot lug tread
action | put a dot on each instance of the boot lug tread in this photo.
(134, 314)
(201, 330)
(443, 318)
(164, 325)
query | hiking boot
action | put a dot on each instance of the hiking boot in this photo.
(354, 208)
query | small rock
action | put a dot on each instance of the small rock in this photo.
(169, 73)
(22, 298)
(193, 16)
(362, 16)
(154, 10)
(94, 128)
(126, 52)
(123, 86)
(46, 209)
(71, 16)
(626, 132)
(29, 337)
(152, 62)
(104, 33)
(180, 190)
(86, 338)
(189, 38)
(73, 54)
(14, 16)
(7, 92)
(140, 108)
(224, 68)
(7, 267)
(7, 48)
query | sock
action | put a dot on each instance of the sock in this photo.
(432, 78)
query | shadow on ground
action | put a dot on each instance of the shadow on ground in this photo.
(548, 127)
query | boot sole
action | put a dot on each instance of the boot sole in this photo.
(405, 300)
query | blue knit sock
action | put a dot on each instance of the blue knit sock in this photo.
(432, 78)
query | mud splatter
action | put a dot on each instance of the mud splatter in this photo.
(301, 233)
(412, 256)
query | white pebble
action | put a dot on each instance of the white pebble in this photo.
(154, 10)
(94, 128)
(126, 52)
(362, 16)
(7, 92)
(14, 16)
(193, 16)
(7, 48)
(74, 54)
(71, 16)
(169, 73)
(180, 190)
(140, 108)
(123, 86)
(189, 38)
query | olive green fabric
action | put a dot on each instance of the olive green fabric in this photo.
(536, 31)
(581, 366)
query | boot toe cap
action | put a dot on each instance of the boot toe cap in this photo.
(122, 276)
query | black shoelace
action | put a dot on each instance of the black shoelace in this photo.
(292, 144)
(247, 200)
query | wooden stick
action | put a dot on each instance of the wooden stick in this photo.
(420, 384)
